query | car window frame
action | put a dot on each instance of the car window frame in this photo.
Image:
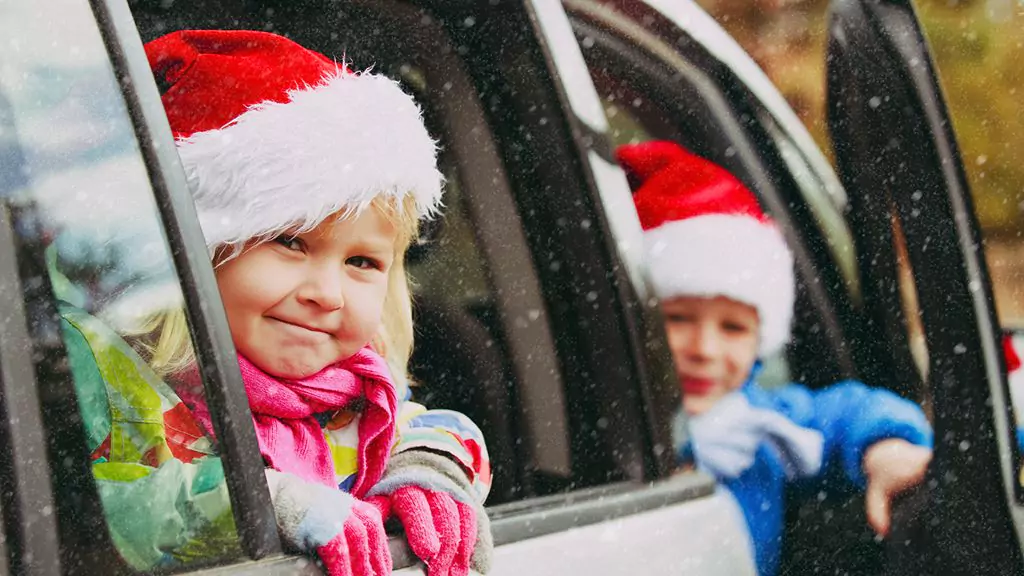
(212, 342)
(31, 538)
(619, 228)
(80, 527)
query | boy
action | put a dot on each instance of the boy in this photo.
(724, 275)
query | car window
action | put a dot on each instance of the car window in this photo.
(160, 480)
(643, 104)
(634, 116)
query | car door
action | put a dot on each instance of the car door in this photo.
(898, 156)
(525, 278)
(672, 73)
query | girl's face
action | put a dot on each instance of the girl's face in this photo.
(298, 304)
(714, 344)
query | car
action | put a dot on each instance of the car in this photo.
(534, 313)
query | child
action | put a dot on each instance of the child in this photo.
(724, 275)
(309, 182)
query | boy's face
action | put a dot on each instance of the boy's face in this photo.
(298, 304)
(714, 343)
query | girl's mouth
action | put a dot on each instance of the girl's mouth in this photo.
(697, 386)
(302, 331)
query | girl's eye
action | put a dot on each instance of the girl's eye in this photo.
(291, 243)
(364, 263)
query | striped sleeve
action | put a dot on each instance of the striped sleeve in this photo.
(446, 432)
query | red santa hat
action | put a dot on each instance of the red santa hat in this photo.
(706, 235)
(274, 137)
(1012, 359)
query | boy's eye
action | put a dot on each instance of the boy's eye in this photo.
(735, 328)
(365, 263)
(678, 318)
(291, 242)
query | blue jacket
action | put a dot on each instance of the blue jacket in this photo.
(851, 417)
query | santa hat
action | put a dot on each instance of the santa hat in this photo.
(273, 136)
(1010, 353)
(706, 235)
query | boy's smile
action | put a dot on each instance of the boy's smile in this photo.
(298, 304)
(714, 344)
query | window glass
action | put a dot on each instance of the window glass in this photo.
(911, 311)
(161, 484)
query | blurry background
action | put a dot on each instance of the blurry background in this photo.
(979, 51)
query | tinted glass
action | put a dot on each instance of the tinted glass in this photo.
(160, 481)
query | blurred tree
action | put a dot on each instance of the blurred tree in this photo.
(979, 50)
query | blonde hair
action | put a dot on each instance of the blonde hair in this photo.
(165, 341)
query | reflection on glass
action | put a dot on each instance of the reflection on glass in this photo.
(161, 483)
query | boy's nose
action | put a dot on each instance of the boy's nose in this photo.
(705, 343)
(324, 288)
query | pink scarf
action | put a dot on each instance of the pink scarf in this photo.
(290, 437)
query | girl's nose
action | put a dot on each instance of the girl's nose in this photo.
(324, 288)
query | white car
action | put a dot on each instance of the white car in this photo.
(534, 314)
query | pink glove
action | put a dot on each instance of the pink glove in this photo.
(440, 517)
(346, 533)
(362, 547)
(441, 530)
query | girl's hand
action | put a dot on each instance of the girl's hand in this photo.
(440, 530)
(345, 532)
(444, 525)
(891, 467)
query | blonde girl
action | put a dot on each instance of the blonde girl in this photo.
(309, 182)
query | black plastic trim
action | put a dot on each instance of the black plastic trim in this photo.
(215, 352)
(27, 494)
(882, 81)
(42, 494)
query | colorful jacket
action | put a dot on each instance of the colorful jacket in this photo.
(150, 454)
(850, 416)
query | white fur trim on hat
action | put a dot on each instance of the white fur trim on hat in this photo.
(332, 148)
(727, 255)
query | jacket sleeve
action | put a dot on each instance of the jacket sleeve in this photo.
(163, 516)
(852, 417)
(163, 491)
(446, 432)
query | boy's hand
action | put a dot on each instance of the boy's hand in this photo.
(891, 467)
